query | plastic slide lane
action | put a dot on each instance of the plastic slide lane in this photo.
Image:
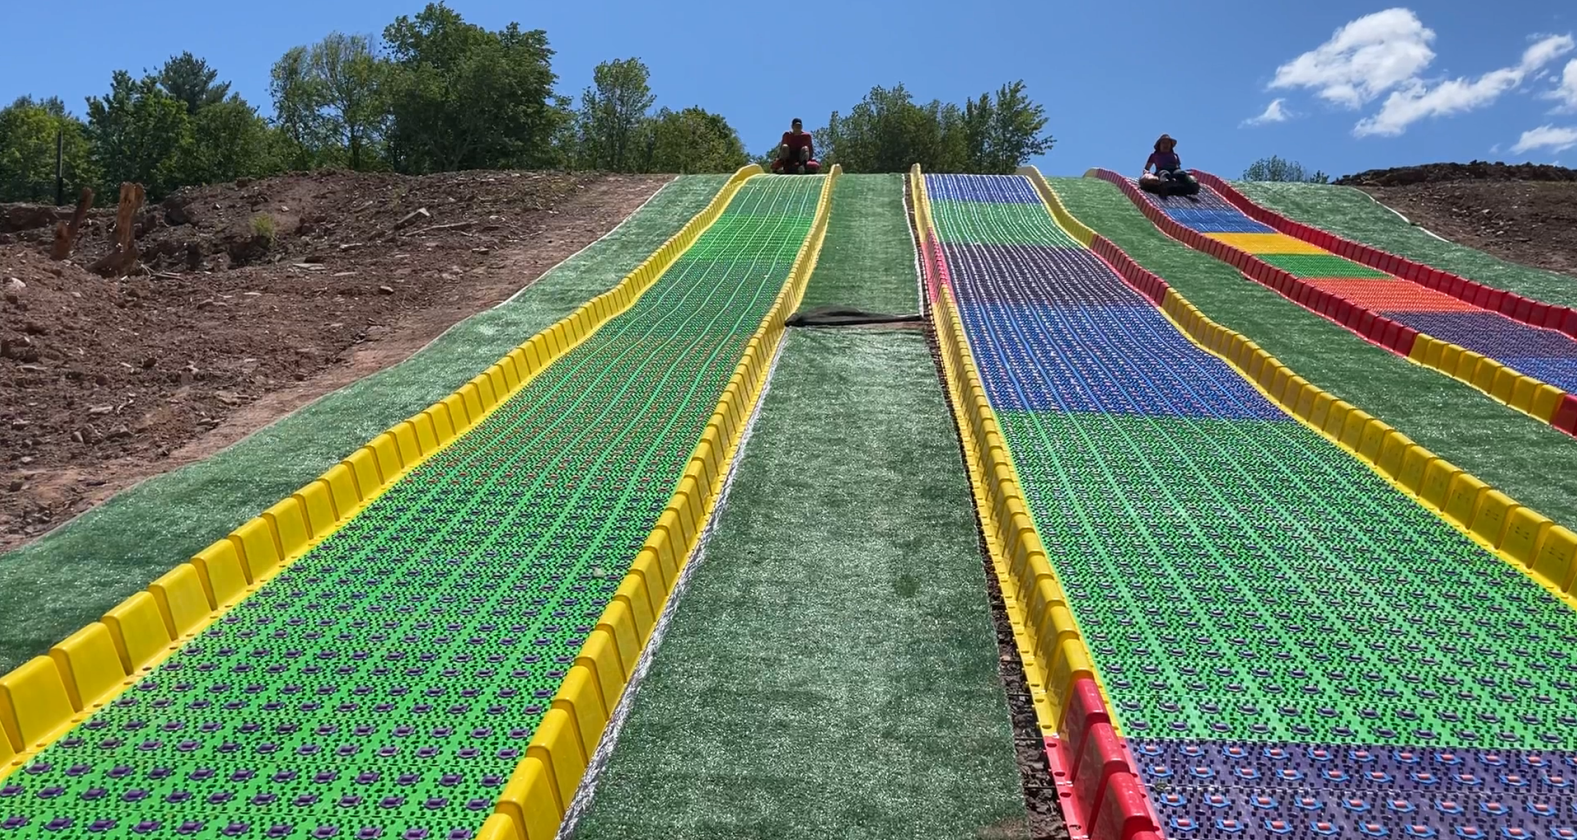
(1477, 339)
(387, 683)
(1512, 305)
(1287, 644)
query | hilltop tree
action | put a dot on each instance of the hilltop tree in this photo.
(228, 141)
(349, 83)
(189, 79)
(888, 131)
(693, 140)
(611, 113)
(1275, 168)
(137, 129)
(298, 102)
(463, 97)
(28, 132)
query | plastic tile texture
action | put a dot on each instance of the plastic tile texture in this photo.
(1290, 645)
(386, 684)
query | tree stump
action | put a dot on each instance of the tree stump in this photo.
(66, 234)
(120, 261)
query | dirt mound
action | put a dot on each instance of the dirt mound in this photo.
(104, 382)
(308, 217)
(1434, 173)
(1530, 222)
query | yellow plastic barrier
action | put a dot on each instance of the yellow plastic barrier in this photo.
(544, 784)
(1546, 553)
(1047, 637)
(151, 625)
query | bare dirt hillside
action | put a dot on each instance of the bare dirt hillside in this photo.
(258, 297)
(1525, 213)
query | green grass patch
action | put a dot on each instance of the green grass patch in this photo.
(1321, 265)
(1351, 213)
(831, 671)
(1529, 460)
(71, 576)
(867, 261)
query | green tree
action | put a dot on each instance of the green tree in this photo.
(1275, 168)
(693, 140)
(612, 112)
(888, 132)
(189, 79)
(29, 130)
(138, 131)
(463, 97)
(1012, 124)
(228, 141)
(299, 99)
(349, 78)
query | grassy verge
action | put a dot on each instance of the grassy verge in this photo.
(1529, 460)
(870, 273)
(1351, 213)
(70, 577)
(831, 671)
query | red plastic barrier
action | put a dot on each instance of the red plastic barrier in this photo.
(1398, 266)
(1565, 417)
(1404, 341)
(1101, 758)
(1124, 812)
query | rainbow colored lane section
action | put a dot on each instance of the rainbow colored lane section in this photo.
(1290, 645)
(1544, 354)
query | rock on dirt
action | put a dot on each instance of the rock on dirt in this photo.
(105, 382)
(1523, 213)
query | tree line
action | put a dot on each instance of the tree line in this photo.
(888, 131)
(436, 93)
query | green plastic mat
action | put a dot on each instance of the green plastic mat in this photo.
(1531, 461)
(70, 577)
(390, 679)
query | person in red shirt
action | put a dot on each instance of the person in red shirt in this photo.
(797, 153)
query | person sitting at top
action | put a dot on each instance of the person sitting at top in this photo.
(1164, 159)
(797, 153)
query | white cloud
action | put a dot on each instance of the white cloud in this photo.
(1566, 92)
(1363, 59)
(1546, 137)
(1416, 100)
(1274, 113)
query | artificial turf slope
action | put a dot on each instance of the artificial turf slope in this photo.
(864, 233)
(1528, 460)
(68, 578)
(831, 670)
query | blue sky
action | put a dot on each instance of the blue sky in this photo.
(1361, 84)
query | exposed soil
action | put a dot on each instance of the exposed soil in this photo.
(1524, 213)
(104, 382)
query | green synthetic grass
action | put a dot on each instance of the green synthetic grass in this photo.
(71, 576)
(1321, 265)
(1351, 213)
(872, 249)
(1529, 460)
(831, 671)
